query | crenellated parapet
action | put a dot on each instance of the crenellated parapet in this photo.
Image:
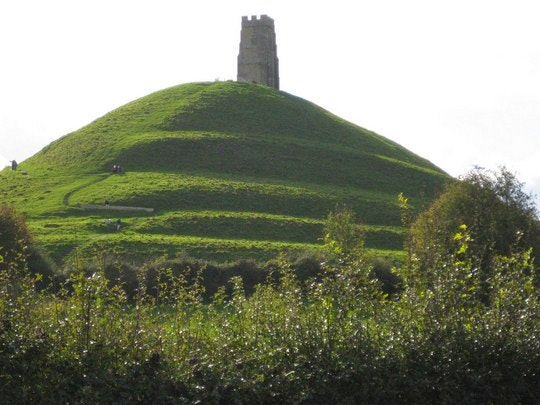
(256, 21)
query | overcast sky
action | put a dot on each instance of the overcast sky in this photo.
(457, 82)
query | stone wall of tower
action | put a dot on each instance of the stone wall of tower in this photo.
(257, 59)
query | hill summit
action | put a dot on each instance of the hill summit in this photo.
(230, 170)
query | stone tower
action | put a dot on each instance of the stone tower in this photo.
(257, 60)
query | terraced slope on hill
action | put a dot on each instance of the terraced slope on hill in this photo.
(231, 170)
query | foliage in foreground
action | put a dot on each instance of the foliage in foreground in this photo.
(337, 338)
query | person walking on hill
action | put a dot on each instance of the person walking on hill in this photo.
(118, 224)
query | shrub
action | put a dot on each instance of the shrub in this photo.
(500, 218)
(391, 283)
(331, 338)
(15, 237)
(17, 246)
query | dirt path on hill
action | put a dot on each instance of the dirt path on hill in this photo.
(67, 196)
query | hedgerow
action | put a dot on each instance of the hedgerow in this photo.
(335, 337)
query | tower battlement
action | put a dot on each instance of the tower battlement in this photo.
(255, 20)
(257, 59)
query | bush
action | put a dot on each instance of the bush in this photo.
(334, 338)
(500, 218)
(15, 237)
(17, 248)
(391, 283)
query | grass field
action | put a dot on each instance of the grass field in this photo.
(232, 170)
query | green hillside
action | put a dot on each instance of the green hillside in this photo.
(232, 170)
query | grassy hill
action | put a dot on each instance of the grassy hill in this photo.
(232, 170)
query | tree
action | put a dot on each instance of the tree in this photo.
(342, 234)
(499, 216)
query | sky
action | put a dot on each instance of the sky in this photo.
(456, 82)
